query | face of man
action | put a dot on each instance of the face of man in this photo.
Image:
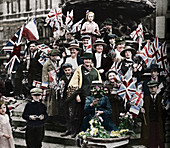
(112, 77)
(121, 47)
(99, 48)
(85, 42)
(68, 71)
(90, 17)
(112, 41)
(108, 26)
(153, 90)
(128, 54)
(154, 73)
(87, 62)
(33, 48)
(73, 52)
(55, 58)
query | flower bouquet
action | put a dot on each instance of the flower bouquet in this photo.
(98, 91)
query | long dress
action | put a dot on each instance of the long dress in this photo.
(5, 128)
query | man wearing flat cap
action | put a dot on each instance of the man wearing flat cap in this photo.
(79, 88)
(154, 71)
(86, 44)
(152, 131)
(50, 74)
(101, 61)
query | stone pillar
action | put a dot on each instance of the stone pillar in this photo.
(23, 5)
(4, 7)
(161, 9)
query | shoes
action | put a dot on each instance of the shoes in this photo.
(74, 135)
(66, 133)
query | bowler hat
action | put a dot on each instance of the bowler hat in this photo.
(119, 40)
(128, 48)
(155, 67)
(36, 91)
(99, 42)
(152, 83)
(54, 52)
(111, 36)
(108, 21)
(87, 55)
(66, 65)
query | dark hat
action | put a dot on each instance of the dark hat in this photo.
(155, 67)
(108, 21)
(32, 42)
(128, 48)
(99, 42)
(66, 65)
(85, 37)
(74, 45)
(54, 52)
(152, 83)
(87, 55)
(110, 36)
(119, 40)
(37, 91)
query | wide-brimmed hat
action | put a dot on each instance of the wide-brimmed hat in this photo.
(99, 42)
(152, 83)
(85, 37)
(87, 55)
(111, 36)
(74, 45)
(54, 52)
(110, 71)
(119, 40)
(128, 48)
(108, 21)
(36, 91)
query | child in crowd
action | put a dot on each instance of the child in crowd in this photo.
(35, 114)
(6, 138)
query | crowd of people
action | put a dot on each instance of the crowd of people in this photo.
(66, 79)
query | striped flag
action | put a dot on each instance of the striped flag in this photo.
(12, 64)
(30, 31)
(36, 84)
(76, 27)
(69, 18)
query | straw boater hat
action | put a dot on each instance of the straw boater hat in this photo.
(152, 83)
(36, 91)
(87, 55)
(74, 45)
(99, 42)
(85, 37)
(128, 48)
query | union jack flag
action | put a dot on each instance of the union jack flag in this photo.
(43, 58)
(36, 84)
(128, 87)
(69, 18)
(76, 27)
(44, 48)
(12, 64)
(54, 18)
(13, 47)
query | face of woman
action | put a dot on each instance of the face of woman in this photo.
(3, 109)
(128, 54)
(112, 77)
(99, 48)
(90, 17)
(87, 62)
